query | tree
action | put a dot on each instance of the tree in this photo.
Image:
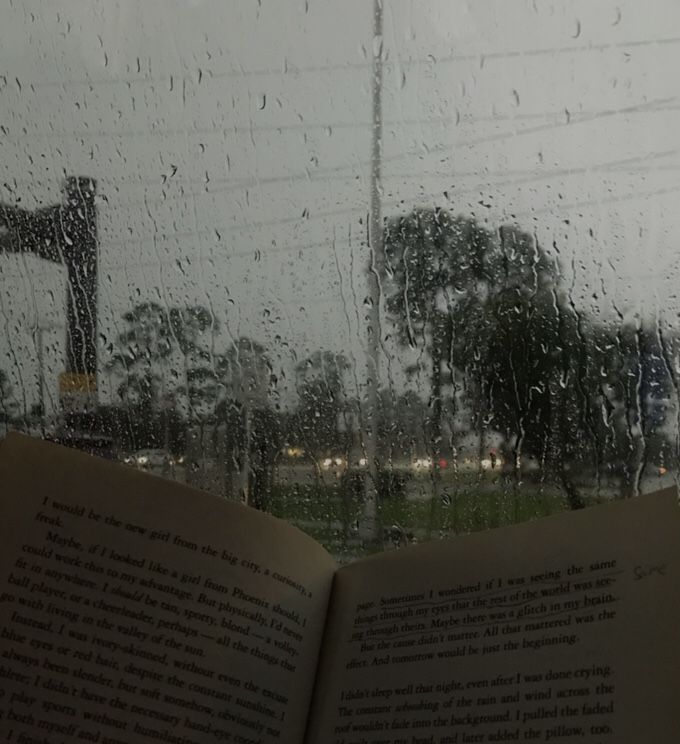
(439, 272)
(246, 374)
(530, 369)
(563, 388)
(320, 381)
(140, 362)
(401, 425)
(527, 330)
(579, 396)
(9, 407)
(142, 349)
(194, 329)
(189, 326)
(266, 441)
(640, 381)
(489, 311)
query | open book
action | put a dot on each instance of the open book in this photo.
(138, 610)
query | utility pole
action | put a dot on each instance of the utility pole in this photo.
(370, 531)
(38, 340)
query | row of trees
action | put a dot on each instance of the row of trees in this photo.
(165, 360)
(505, 347)
(174, 384)
(507, 353)
(575, 392)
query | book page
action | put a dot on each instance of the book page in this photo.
(133, 609)
(563, 630)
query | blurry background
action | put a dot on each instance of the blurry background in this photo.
(390, 270)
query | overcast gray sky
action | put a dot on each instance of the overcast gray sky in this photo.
(231, 139)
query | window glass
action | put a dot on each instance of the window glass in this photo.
(388, 270)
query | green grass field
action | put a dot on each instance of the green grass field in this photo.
(464, 504)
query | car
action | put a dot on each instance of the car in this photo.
(152, 459)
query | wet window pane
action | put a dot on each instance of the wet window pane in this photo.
(389, 272)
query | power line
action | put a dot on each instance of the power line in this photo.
(593, 204)
(485, 139)
(484, 177)
(251, 224)
(359, 208)
(311, 175)
(217, 231)
(604, 169)
(590, 203)
(234, 254)
(517, 178)
(499, 137)
(291, 70)
(454, 119)
(511, 176)
(356, 210)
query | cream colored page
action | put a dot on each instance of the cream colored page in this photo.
(563, 630)
(135, 610)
